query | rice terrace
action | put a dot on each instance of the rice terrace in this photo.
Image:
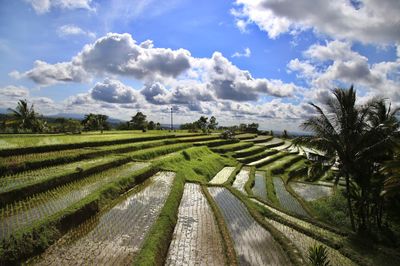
(184, 132)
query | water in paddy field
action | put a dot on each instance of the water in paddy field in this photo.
(114, 236)
(260, 186)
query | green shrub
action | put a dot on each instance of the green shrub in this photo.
(318, 256)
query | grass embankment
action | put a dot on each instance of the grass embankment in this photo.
(18, 163)
(259, 156)
(52, 181)
(232, 147)
(244, 136)
(197, 164)
(78, 145)
(249, 151)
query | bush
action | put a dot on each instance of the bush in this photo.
(227, 134)
(318, 256)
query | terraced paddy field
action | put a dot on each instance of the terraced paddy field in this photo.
(260, 186)
(196, 239)
(253, 244)
(310, 192)
(158, 198)
(115, 236)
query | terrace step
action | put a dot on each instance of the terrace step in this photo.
(260, 186)
(254, 245)
(114, 236)
(23, 213)
(241, 179)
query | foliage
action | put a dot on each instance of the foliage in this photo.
(318, 255)
(68, 125)
(250, 128)
(138, 121)
(95, 122)
(227, 134)
(361, 138)
(25, 118)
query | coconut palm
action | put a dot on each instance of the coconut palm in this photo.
(25, 117)
(360, 137)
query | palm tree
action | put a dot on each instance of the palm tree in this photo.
(360, 138)
(25, 117)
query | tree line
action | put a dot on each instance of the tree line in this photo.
(24, 119)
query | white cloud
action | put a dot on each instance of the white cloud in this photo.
(114, 91)
(373, 21)
(68, 30)
(335, 64)
(246, 53)
(44, 6)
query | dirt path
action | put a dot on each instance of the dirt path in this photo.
(241, 179)
(260, 186)
(115, 236)
(222, 176)
(196, 239)
(253, 244)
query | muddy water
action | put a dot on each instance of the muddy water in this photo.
(222, 176)
(286, 199)
(310, 192)
(260, 187)
(115, 236)
(241, 179)
(48, 203)
(196, 239)
(253, 244)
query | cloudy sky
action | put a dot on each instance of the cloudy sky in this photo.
(242, 61)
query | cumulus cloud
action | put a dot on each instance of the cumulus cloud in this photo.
(189, 79)
(246, 53)
(114, 91)
(116, 54)
(72, 30)
(231, 83)
(10, 95)
(336, 64)
(44, 6)
(372, 21)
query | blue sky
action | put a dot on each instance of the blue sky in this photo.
(242, 61)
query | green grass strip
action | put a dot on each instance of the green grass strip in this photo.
(249, 151)
(197, 164)
(232, 147)
(258, 156)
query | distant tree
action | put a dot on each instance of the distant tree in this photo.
(271, 133)
(158, 126)
(139, 121)
(25, 117)
(285, 134)
(191, 127)
(213, 123)
(243, 127)
(95, 122)
(203, 123)
(252, 128)
(151, 125)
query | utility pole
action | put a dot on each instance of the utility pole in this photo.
(172, 123)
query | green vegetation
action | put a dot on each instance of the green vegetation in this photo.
(361, 138)
(232, 147)
(317, 255)
(196, 164)
(249, 151)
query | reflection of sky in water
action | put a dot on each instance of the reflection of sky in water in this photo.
(118, 232)
(253, 244)
(311, 192)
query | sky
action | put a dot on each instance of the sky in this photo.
(242, 61)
